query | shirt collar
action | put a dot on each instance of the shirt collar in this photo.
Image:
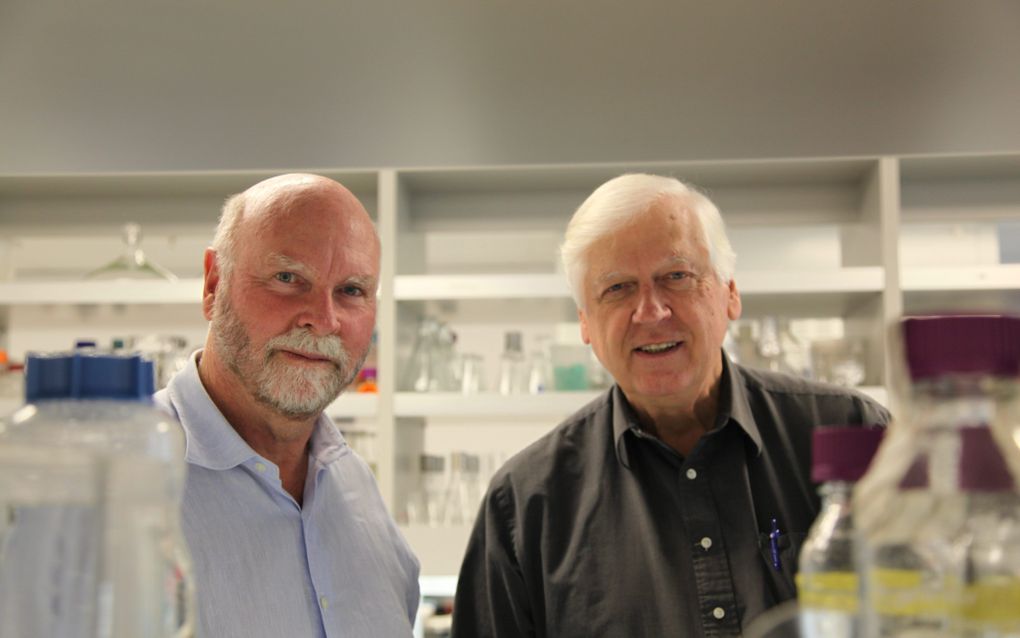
(214, 444)
(733, 406)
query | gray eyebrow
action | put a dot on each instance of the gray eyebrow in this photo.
(285, 262)
(368, 282)
(672, 261)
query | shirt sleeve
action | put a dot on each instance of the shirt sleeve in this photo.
(492, 599)
(873, 413)
(414, 591)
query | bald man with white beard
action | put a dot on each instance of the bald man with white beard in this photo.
(287, 530)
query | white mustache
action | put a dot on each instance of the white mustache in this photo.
(302, 340)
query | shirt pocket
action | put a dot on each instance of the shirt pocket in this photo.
(781, 572)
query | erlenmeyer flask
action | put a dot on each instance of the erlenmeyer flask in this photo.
(132, 264)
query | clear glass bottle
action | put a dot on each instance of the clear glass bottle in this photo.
(963, 371)
(513, 373)
(418, 374)
(425, 506)
(462, 496)
(540, 375)
(91, 478)
(987, 546)
(827, 582)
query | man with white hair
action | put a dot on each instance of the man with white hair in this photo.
(288, 533)
(675, 503)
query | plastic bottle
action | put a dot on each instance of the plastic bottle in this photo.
(91, 477)
(827, 583)
(909, 506)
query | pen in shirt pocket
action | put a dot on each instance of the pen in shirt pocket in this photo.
(774, 535)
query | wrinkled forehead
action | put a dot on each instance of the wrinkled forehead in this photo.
(327, 205)
(660, 224)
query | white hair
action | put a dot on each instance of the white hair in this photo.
(225, 240)
(623, 198)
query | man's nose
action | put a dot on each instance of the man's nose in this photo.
(320, 315)
(651, 307)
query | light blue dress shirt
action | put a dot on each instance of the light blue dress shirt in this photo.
(265, 566)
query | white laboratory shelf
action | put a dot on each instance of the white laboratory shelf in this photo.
(183, 291)
(495, 286)
(356, 405)
(996, 277)
(554, 285)
(864, 279)
(455, 404)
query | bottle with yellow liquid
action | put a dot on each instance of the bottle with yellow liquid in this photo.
(827, 583)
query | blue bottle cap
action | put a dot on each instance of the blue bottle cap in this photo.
(84, 375)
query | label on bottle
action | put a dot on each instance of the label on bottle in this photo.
(828, 590)
(910, 592)
(993, 603)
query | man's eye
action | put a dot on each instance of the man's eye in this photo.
(681, 278)
(615, 288)
(353, 291)
(286, 277)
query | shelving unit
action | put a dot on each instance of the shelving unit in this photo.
(962, 205)
(37, 293)
(476, 247)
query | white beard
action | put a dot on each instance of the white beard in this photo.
(295, 391)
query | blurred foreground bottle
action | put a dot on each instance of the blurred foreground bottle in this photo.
(91, 477)
(916, 503)
(827, 583)
(986, 549)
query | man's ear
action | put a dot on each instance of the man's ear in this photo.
(584, 326)
(210, 283)
(733, 304)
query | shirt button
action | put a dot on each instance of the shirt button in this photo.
(260, 467)
(323, 602)
(692, 474)
(719, 613)
(706, 542)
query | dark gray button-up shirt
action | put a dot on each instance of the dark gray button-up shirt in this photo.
(600, 529)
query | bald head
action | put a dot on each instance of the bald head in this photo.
(291, 194)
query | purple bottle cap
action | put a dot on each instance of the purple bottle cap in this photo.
(941, 344)
(982, 467)
(843, 453)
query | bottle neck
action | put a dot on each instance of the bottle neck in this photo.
(955, 401)
(836, 492)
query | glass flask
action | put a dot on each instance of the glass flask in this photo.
(132, 263)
